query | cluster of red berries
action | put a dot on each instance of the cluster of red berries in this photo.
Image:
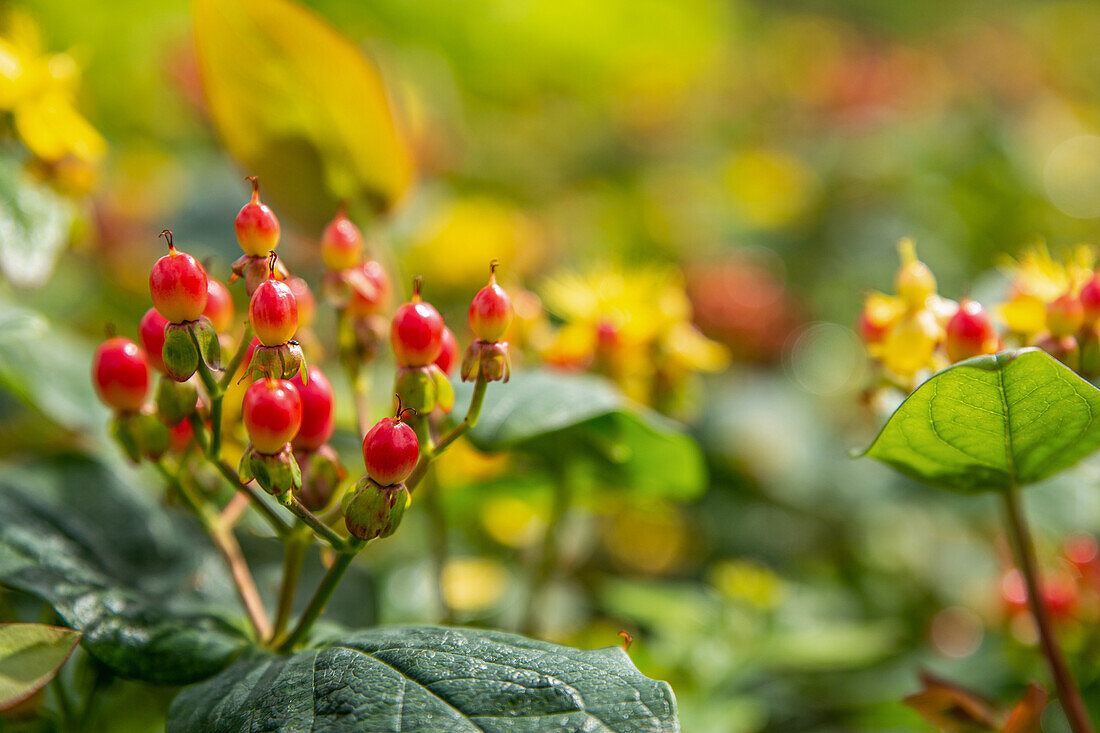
(1070, 591)
(288, 409)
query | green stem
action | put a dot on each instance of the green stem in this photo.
(427, 455)
(310, 519)
(296, 547)
(238, 357)
(439, 543)
(1024, 549)
(214, 394)
(321, 596)
(548, 556)
(282, 529)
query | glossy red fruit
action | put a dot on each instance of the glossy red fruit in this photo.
(256, 224)
(177, 284)
(273, 311)
(970, 332)
(272, 414)
(120, 374)
(1090, 299)
(307, 304)
(377, 296)
(448, 357)
(219, 305)
(390, 451)
(416, 332)
(341, 243)
(1065, 315)
(151, 334)
(491, 309)
(180, 436)
(318, 413)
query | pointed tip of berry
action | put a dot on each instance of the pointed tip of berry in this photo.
(255, 181)
(418, 281)
(167, 234)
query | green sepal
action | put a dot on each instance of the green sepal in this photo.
(376, 511)
(181, 358)
(244, 470)
(210, 347)
(175, 401)
(444, 392)
(415, 388)
(153, 438)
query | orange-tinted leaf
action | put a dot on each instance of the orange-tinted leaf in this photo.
(952, 708)
(1027, 715)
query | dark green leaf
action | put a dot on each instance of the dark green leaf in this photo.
(30, 655)
(34, 226)
(993, 422)
(587, 419)
(425, 678)
(143, 586)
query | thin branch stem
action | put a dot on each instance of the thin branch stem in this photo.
(548, 556)
(321, 596)
(314, 523)
(1024, 549)
(439, 542)
(428, 454)
(296, 547)
(281, 527)
(238, 357)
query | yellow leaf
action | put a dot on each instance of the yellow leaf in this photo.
(298, 104)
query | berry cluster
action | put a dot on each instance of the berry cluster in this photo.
(288, 408)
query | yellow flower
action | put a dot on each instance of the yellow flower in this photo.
(1038, 274)
(39, 91)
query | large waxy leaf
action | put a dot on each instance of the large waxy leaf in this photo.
(298, 104)
(145, 589)
(586, 418)
(30, 655)
(426, 678)
(993, 422)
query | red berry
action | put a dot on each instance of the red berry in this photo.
(390, 451)
(151, 333)
(378, 295)
(180, 436)
(970, 332)
(448, 357)
(1090, 299)
(307, 304)
(1065, 315)
(416, 333)
(256, 224)
(318, 415)
(120, 374)
(272, 414)
(178, 285)
(273, 311)
(341, 243)
(219, 305)
(491, 309)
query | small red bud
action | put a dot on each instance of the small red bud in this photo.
(448, 357)
(219, 305)
(151, 333)
(272, 414)
(416, 332)
(970, 332)
(256, 224)
(491, 310)
(390, 451)
(177, 284)
(341, 243)
(120, 374)
(370, 290)
(318, 414)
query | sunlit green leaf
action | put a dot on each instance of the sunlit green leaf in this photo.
(426, 678)
(993, 422)
(299, 105)
(30, 655)
(34, 226)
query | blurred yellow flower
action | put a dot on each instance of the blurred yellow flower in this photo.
(39, 91)
(745, 581)
(473, 584)
(1038, 279)
(769, 188)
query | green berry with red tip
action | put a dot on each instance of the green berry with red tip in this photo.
(1065, 315)
(416, 332)
(273, 310)
(151, 334)
(370, 289)
(448, 356)
(120, 374)
(390, 450)
(219, 305)
(318, 410)
(272, 414)
(491, 310)
(970, 332)
(1090, 299)
(341, 243)
(256, 224)
(177, 284)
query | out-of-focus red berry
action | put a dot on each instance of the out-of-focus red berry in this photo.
(374, 298)
(303, 296)
(318, 413)
(151, 333)
(970, 332)
(219, 305)
(491, 309)
(1065, 315)
(256, 225)
(448, 356)
(120, 374)
(341, 243)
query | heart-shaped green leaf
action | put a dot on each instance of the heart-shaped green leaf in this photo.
(30, 655)
(144, 587)
(300, 106)
(992, 423)
(588, 419)
(426, 678)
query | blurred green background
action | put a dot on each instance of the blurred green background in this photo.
(760, 158)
